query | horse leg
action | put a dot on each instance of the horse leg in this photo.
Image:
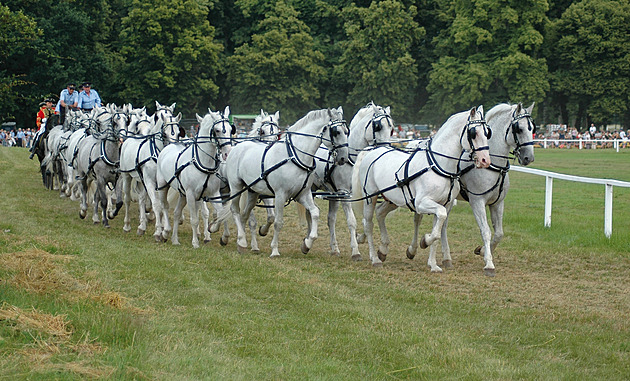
(413, 246)
(247, 215)
(84, 195)
(352, 227)
(428, 206)
(333, 207)
(96, 200)
(306, 199)
(479, 210)
(126, 187)
(101, 185)
(271, 216)
(381, 213)
(368, 228)
(447, 262)
(181, 203)
(277, 225)
(241, 235)
(142, 204)
(205, 218)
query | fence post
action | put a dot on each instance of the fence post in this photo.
(580, 143)
(608, 211)
(548, 199)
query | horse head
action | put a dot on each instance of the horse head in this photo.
(380, 127)
(335, 136)
(171, 129)
(265, 127)
(523, 130)
(477, 134)
(216, 127)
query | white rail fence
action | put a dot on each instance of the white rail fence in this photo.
(617, 144)
(549, 176)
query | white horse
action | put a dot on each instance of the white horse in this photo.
(138, 161)
(283, 170)
(372, 125)
(512, 128)
(424, 181)
(193, 171)
(97, 159)
(264, 129)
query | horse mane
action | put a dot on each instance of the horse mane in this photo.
(499, 108)
(255, 126)
(306, 119)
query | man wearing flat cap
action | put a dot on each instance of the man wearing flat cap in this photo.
(69, 98)
(88, 98)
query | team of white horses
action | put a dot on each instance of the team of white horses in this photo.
(122, 148)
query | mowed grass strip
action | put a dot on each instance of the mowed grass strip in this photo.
(557, 308)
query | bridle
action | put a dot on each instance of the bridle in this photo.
(516, 130)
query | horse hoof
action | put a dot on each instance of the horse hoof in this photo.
(381, 256)
(423, 243)
(360, 238)
(213, 228)
(274, 256)
(335, 253)
(478, 250)
(262, 232)
(140, 232)
(436, 270)
(255, 251)
(410, 255)
(223, 241)
(377, 264)
(304, 248)
(241, 249)
(158, 238)
(82, 215)
(356, 257)
(106, 226)
(447, 264)
(126, 229)
(206, 240)
(489, 272)
(96, 222)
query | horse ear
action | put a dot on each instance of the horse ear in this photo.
(387, 110)
(199, 119)
(472, 112)
(178, 117)
(276, 116)
(226, 113)
(144, 109)
(340, 109)
(262, 113)
(157, 105)
(480, 111)
(530, 108)
(172, 107)
(519, 107)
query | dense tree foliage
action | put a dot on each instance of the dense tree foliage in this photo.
(425, 58)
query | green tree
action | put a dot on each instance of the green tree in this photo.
(18, 37)
(280, 69)
(489, 53)
(376, 62)
(592, 56)
(169, 54)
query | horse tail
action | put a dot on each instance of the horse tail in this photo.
(301, 211)
(222, 216)
(357, 188)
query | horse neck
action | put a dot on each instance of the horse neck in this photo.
(306, 140)
(448, 142)
(205, 148)
(499, 121)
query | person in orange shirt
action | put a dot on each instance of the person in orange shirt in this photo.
(45, 112)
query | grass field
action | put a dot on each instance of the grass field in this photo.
(82, 302)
